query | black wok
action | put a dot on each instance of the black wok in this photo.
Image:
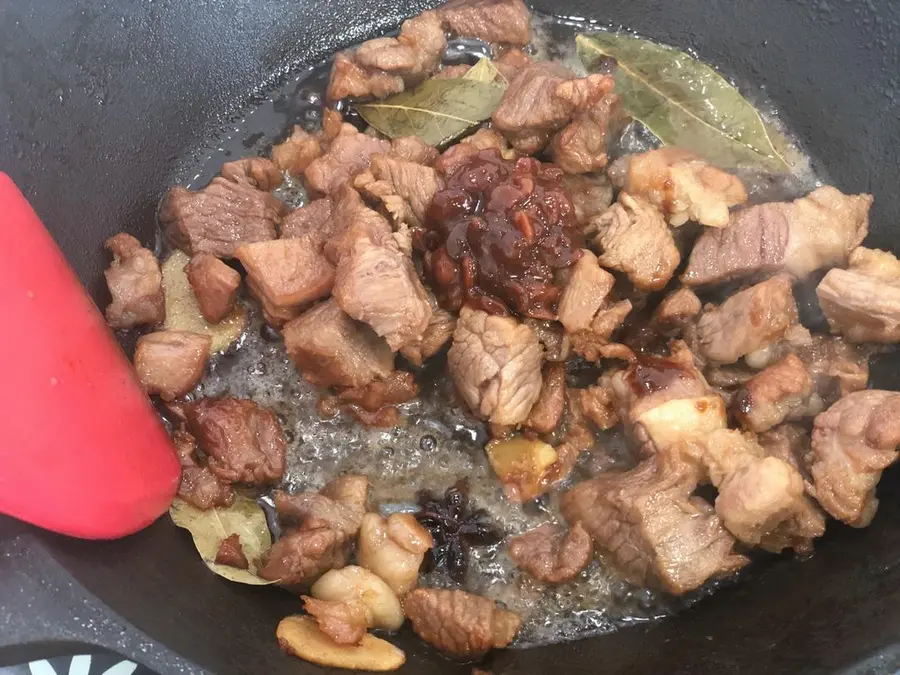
(105, 103)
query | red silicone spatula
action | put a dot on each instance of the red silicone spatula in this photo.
(82, 451)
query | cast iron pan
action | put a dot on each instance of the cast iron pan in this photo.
(106, 103)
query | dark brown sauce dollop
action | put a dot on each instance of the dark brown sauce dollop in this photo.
(496, 236)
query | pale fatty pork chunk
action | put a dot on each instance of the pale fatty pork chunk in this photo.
(819, 230)
(215, 286)
(681, 184)
(542, 99)
(311, 220)
(761, 498)
(220, 217)
(345, 622)
(405, 189)
(676, 311)
(773, 395)
(635, 240)
(496, 21)
(495, 362)
(135, 284)
(286, 275)
(171, 362)
(438, 333)
(552, 555)
(387, 65)
(747, 321)
(199, 486)
(330, 349)
(460, 624)
(581, 146)
(591, 195)
(349, 154)
(863, 303)
(654, 532)
(243, 441)
(547, 411)
(340, 505)
(231, 553)
(302, 555)
(256, 172)
(852, 443)
(393, 548)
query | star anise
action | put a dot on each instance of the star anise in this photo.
(455, 528)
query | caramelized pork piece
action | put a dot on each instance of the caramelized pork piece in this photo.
(214, 284)
(578, 438)
(747, 321)
(438, 333)
(650, 526)
(345, 622)
(374, 405)
(635, 240)
(199, 486)
(790, 443)
(257, 172)
(863, 303)
(483, 139)
(331, 349)
(231, 553)
(413, 149)
(394, 548)
(171, 362)
(773, 395)
(302, 555)
(500, 21)
(547, 411)
(495, 362)
(387, 65)
(460, 624)
(242, 440)
(852, 443)
(598, 404)
(353, 221)
(819, 230)
(135, 284)
(581, 146)
(681, 184)
(677, 310)
(552, 555)
(220, 217)
(556, 343)
(591, 195)
(542, 99)
(405, 189)
(340, 505)
(297, 151)
(311, 220)
(286, 275)
(349, 154)
(586, 293)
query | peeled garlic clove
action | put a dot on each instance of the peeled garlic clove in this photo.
(356, 583)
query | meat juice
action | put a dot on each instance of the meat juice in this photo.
(437, 441)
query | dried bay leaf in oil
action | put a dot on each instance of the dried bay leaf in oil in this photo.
(685, 102)
(485, 71)
(437, 111)
(211, 527)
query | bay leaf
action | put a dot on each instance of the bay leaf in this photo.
(485, 71)
(685, 102)
(437, 111)
(211, 527)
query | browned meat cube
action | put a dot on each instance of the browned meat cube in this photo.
(677, 310)
(863, 302)
(547, 411)
(458, 623)
(312, 220)
(458, 154)
(199, 486)
(581, 146)
(819, 230)
(344, 622)
(220, 217)
(303, 555)
(135, 284)
(331, 349)
(351, 80)
(770, 397)
(495, 362)
(587, 291)
(215, 284)
(242, 440)
(297, 151)
(257, 172)
(413, 149)
(852, 443)
(286, 275)
(681, 184)
(439, 331)
(502, 21)
(340, 505)
(747, 321)
(635, 240)
(171, 362)
(552, 555)
(404, 188)
(591, 195)
(375, 404)
(231, 553)
(653, 530)
(598, 404)
(349, 154)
